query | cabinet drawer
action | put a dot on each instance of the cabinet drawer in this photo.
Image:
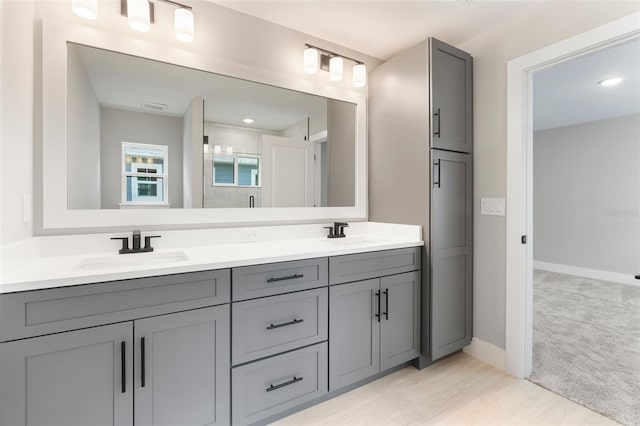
(274, 278)
(363, 266)
(265, 388)
(33, 313)
(270, 325)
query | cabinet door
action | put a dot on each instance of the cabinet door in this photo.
(182, 368)
(451, 252)
(73, 378)
(354, 332)
(400, 324)
(451, 98)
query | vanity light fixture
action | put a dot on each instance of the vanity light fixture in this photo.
(608, 82)
(336, 68)
(205, 144)
(310, 60)
(332, 62)
(87, 9)
(140, 14)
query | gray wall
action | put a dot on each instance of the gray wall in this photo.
(341, 152)
(586, 195)
(119, 126)
(83, 138)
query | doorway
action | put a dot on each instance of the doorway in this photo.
(519, 261)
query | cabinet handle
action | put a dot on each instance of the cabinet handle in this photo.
(284, 324)
(386, 304)
(290, 277)
(142, 364)
(378, 313)
(123, 361)
(281, 385)
(437, 115)
(436, 182)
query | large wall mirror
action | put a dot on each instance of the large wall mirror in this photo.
(156, 136)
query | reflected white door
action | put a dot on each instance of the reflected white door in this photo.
(288, 173)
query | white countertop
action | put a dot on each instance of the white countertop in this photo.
(62, 261)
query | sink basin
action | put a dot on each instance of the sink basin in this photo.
(347, 241)
(134, 260)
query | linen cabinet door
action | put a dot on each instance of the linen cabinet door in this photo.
(451, 98)
(182, 366)
(78, 378)
(451, 253)
(400, 319)
(354, 332)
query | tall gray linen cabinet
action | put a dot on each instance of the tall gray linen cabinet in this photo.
(420, 172)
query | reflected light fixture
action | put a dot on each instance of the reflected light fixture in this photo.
(608, 82)
(205, 144)
(217, 149)
(229, 150)
(334, 63)
(140, 14)
(87, 9)
(248, 120)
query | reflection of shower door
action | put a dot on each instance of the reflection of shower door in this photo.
(287, 174)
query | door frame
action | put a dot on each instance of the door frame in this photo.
(519, 220)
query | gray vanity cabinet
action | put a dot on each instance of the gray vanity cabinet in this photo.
(451, 253)
(69, 379)
(141, 351)
(182, 368)
(374, 324)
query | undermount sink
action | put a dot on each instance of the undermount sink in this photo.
(134, 260)
(347, 241)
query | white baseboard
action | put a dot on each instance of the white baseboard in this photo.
(596, 274)
(486, 352)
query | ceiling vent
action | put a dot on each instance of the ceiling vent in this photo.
(154, 106)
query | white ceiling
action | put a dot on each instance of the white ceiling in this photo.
(383, 28)
(569, 93)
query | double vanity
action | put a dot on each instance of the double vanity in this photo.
(232, 333)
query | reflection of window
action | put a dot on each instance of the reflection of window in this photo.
(144, 173)
(236, 170)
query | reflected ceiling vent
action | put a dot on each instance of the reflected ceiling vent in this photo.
(154, 106)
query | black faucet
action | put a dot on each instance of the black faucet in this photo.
(337, 230)
(136, 243)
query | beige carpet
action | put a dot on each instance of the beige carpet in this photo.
(586, 343)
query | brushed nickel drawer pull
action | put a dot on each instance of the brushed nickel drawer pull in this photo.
(290, 277)
(281, 385)
(284, 324)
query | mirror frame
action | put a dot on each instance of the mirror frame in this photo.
(55, 213)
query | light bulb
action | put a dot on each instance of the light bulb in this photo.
(310, 60)
(87, 9)
(184, 24)
(336, 68)
(359, 75)
(139, 15)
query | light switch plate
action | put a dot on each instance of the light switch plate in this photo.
(492, 206)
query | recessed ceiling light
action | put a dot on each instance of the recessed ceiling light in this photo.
(248, 120)
(608, 82)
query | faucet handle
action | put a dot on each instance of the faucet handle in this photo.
(147, 242)
(330, 228)
(339, 228)
(125, 244)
